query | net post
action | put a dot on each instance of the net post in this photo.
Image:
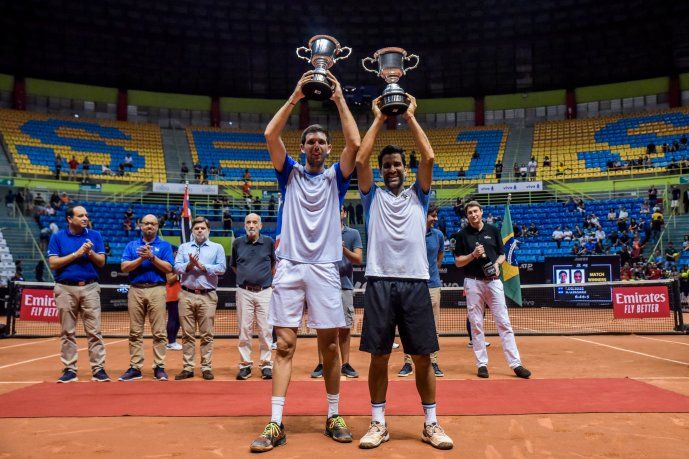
(677, 307)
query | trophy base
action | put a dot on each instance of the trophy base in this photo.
(317, 90)
(394, 104)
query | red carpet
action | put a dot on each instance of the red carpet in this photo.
(252, 398)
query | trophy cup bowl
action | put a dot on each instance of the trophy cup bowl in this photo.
(391, 68)
(324, 51)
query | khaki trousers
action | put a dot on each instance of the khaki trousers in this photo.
(151, 301)
(197, 309)
(435, 302)
(250, 306)
(72, 301)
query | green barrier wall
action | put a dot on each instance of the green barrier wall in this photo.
(526, 100)
(70, 91)
(622, 90)
(169, 100)
(6, 82)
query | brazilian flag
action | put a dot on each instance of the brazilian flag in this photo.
(510, 269)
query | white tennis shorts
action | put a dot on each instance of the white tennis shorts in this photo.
(315, 285)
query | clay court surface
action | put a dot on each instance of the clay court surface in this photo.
(590, 396)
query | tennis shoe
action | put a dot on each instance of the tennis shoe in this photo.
(377, 434)
(273, 435)
(434, 435)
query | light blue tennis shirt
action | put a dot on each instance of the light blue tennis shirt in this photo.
(211, 255)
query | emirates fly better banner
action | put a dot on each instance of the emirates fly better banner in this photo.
(38, 305)
(640, 302)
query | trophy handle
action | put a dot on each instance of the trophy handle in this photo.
(306, 50)
(363, 64)
(345, 56)
(408, 58)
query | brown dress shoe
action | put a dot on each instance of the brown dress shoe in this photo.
(273, 435)
(207, 375)
(184, 374)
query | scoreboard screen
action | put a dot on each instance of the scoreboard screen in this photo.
(587, 271)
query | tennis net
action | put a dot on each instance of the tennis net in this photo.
(548, 309)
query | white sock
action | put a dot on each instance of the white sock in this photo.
(333, 404)
(429, 412)
(277, 403)
(378, 412)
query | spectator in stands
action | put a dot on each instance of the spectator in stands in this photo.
(651, 148)
(533, 231)
(272, 203)
(532, 168)
(127, 225)
(581, 206)
(578, 233)
(498, 170)
(204, 175)
(623, 213)
(58, 166)
(129, 213)
(570, 205)
(600, 234)
(39, 270)
(590, 245)
(561, 169)
(85, 169)
(598, 248)
(10, 198)
(213, 173)
(558, 236)
(108, 250)
(19, 201)
(625, 256)
(227, 220)
(674, 204)
(577, 249)
(351, 214)
(685, 243)
(515, 171)
(657, 222)
(183, 171)
(523, 170)
(459, 208)
(633, 225)
(626, 272)
(591, 222)
(645, 208)
(246, 189)
(652, 196)
(567, 234)
(120, 170)
(671, 253)
(653, 272)
(73, 164)
(359, 214)
(197, 171)
(461, 173)
(476, 154)
(55, 201)
(128, 161)
(524, 232)
(44, 237)
(612, 215)
(106, 171)
(39, 204)
(247, 175)
(174, 218)
(614, 238)
(546, 161)
(53, 228)
(257, 203)
(622, 225)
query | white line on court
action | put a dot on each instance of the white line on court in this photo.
(663, 340)
(29, 344)
(55, 355)
(21, 382)
(625, 350)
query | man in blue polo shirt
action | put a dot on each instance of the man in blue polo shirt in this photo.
(147, 260)
(73, 255)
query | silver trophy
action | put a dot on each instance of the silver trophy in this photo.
(325, 51)
(391, 68)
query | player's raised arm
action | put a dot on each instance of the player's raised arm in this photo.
(276, 147)
(425, 173)
(352, 137)
(364, 171)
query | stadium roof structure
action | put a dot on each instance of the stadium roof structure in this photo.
(247, 48)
